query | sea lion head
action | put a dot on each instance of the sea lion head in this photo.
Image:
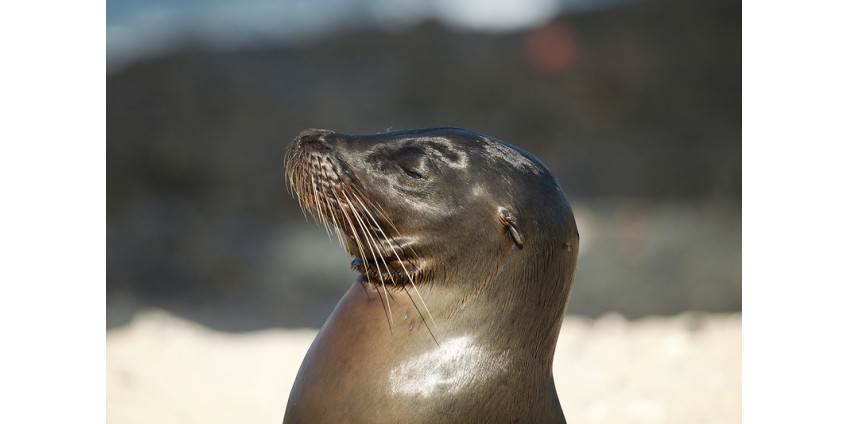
(440, 206)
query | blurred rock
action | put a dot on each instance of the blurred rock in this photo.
(646, 108)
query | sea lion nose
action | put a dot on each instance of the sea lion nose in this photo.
(312, 135)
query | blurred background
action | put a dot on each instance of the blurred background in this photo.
(634, 105)
(216, 283)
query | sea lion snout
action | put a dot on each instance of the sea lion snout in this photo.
(312, 135)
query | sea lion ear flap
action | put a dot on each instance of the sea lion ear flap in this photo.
(509, 220)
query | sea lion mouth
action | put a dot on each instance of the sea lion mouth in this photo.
(390, 271)
(331, 194)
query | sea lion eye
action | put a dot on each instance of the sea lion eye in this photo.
(411, 174)
(412, 162)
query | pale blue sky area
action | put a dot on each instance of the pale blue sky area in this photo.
(137, 29)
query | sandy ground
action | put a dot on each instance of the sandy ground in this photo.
(683, 369)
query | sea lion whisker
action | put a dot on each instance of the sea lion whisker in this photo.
(353, 230)
(391, 224)
(374, 222)
(319, 206)
(290, 158)
(381, 258)
(298, 186)
(387, 309)
(377, 225)
(312, 191)
(362, 253)
(377, 208)
(366, 234)
(400, 261)
(324, 208)
(415, 305)
(311, 200)
(291, 187)
(386, 236)
(337, 226)
(319, 199)
(373, 245)
(373, 219)
(409, 277)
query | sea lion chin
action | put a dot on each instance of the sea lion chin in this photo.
(466, 248)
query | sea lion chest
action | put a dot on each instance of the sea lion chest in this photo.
(358, 372)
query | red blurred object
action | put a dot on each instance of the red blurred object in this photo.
(551, 49)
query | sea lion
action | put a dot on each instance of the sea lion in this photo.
(466, 248)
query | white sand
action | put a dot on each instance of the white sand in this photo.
(684, 369)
